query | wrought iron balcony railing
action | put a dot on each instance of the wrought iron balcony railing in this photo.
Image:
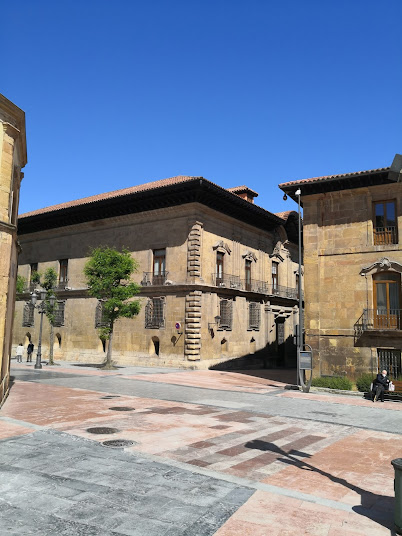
(229, 281)
(254, 285)
(378, 320)
(385, 235)
(149, 279)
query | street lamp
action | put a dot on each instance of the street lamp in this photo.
(41, 310)
(300, 346)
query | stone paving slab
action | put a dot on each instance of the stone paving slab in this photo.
(194, 468)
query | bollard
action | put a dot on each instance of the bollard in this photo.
(397, 463)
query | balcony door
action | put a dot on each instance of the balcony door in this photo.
(248, 274)
(219, 268)
(159, 267)
(387, 293)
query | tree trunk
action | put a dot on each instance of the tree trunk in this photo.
(108, 364)
(51, 362)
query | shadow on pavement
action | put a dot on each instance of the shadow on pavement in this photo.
(383, 514)
(94, 365)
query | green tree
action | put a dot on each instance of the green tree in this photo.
(21, 283)
(108, 273)
(49, 280)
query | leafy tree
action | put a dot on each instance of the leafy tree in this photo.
(35, 277)
(21, 283)
(108, 273)
(49, 280)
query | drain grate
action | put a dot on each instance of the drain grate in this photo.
(102, 430)
(122, 408)
(118, 443)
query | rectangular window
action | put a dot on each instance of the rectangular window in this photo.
(159, 267)
(254, 310)
(63, 274)
(59, 313)
(275, 277)
(226, 314)
(385, 223)
(248, 274)
(100, 320)
(219, 268)
(28, 319)
(155, 313)
(389, 360)
(33, 276)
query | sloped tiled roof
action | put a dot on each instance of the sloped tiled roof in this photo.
(110, 195)
(285, 215)
(332, 177)
(240, 189)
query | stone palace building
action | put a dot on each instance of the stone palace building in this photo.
(218, 275)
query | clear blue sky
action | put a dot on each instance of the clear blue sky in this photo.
(255, 92)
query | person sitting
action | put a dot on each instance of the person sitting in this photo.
(380, 384)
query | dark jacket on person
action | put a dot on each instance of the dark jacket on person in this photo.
(382, 380)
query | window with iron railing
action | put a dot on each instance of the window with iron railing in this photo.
(100, 319)
(254, 310)
(59, 313)
(28, 318)
(155, 313)
(385, 223)
(226, 313)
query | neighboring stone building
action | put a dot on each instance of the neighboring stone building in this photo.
(352, 227)
(13, 157)
(204, 252)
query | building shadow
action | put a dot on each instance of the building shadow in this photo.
(382, 514)
(271, 362)
(94, 365)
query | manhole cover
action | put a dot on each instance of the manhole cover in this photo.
(108, 397)
(118, 443)
(102, 430)
(122, 408)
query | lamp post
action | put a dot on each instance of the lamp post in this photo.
(41, 310)
(300, 346)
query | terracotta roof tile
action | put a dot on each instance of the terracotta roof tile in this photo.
(110, 195)
(285, 215)
(329, 177)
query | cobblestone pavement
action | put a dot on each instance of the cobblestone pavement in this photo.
(209, 453)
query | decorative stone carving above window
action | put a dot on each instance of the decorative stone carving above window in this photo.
(250, 256)
(383, 264)
(279, 252)
(222, 247)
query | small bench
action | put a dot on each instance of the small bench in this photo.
(397, 392)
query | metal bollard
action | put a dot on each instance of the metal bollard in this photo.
(397, 463)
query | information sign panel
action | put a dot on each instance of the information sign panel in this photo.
(306, 360)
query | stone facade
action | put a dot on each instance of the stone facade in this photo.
(352, 262)
(178, 249)
(13, 158)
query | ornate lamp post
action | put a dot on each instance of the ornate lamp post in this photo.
(41, 310)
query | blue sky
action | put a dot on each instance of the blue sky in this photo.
(118, 93)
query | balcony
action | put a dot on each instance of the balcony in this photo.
(385, 235)
(227, 281)
(378, 320)
(151, 279)
(253, 285)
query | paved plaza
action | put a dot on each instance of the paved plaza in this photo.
(192, 453)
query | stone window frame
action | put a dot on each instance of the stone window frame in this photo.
(155, 313)
(394, 239)
(59, 313)
(254, 316)
(226, 314)
(28, 316)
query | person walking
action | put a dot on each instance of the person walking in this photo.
(19, 352)
(30, 349)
